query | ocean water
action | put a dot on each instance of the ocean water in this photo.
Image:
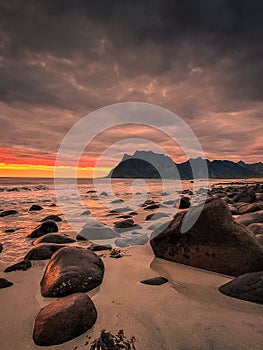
(21, 193)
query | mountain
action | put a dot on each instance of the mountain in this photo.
(150, 165)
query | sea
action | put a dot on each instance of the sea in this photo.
(78, 201)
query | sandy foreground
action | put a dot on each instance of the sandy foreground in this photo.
(186, 313)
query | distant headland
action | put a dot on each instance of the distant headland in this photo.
(149, 165)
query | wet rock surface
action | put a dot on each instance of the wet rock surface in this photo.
(71, 270)
(215, 242)
(52, 217)
(54, 238)
(96, 231)
(247, 287)
(43, 229)
(35, 207)
(64, 319)
(8, 212)
(42, 251)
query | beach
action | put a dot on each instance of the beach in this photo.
(187, 312)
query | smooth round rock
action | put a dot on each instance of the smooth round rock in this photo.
(64, 319)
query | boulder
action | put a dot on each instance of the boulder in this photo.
(117, 201)
(64, 319)
(85, 212)
(215, 242)
(5, 283)
(21, 266)
(54, 238)
(132, 240)
(43, 229)
(71, 270)
(247, 196)
(155, 281)
(246, 287)
(250, 218)
(42, 251)
(52, 217)
(98, 248)
(184, 203)
(94, 230)
(250, 208)
(10, 230)
(256, 228)
(35, 207)
(120, 210)
(103, 193)
(124, 223)
(8, 212)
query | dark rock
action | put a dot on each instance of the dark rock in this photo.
(71, 270)
(156, 216)
(35, 207)
(52, 217)
(1, 247)
(250, 208)
(245, 196)
(85, 212)
(53, 205)
(54, 238)
(152, 206)
(246, 287)
(148, 202)
(91, 191)
(97, 247)
(116, 254)
(132, 240)
(215, 242)
(42, 251)
(116, 201)
(8, 212)
(184, 203)
(104, 194)
(5, 283)
(96, 231)
(21, 266)
(10, 230)
(256, 228)
(43, 229)
(64, 319)
(124, 224)
(120, 210)
(155, 281)
(124, 217)
(250, 218)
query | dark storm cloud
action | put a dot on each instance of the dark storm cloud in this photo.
(60, 59)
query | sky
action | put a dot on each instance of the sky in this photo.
(61, 60)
